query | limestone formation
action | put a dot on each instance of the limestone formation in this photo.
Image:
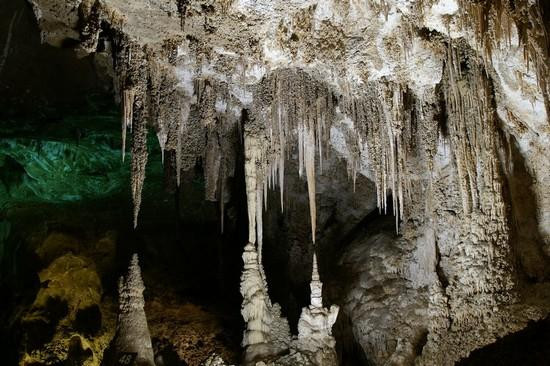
(132, 339)
(438, 102)
(214, 360)
(267, 332)
(315, 324)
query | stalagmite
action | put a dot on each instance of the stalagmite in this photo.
(132, 334)
(316, 286)
(255, 302)
(315, 323)
(214, 360)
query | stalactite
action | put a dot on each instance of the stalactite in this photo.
(309, 161)
(185, 110)
(182, 10)
(493, 24)
(162, 136)
(253, 160)
(301, 110)
(132, 70)
(139, 157)
(7, 45)
(259, 231)
(127, 115)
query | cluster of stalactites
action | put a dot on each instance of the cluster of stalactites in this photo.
(472, 127)
(301, 110)
(153, 95)
(220, 114)
(383, 119)
(498, 23)
(131, 67)
(180, 115)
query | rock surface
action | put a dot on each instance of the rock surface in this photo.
(67, 321)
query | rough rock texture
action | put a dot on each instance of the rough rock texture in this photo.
(132, 337)
(388, 314)
(192, 332)
(214, 360)
(443, 104)
(67, 321)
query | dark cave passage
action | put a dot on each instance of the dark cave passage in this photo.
(530, 346)
(190, 269)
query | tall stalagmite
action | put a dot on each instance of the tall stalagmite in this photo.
(132, 335)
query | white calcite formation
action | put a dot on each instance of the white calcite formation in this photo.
(267, 333)
(268, 336)
(443, 104)
(214, 360)
(315, 325)
(132, 337)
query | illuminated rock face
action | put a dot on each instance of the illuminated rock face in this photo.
(443, 104)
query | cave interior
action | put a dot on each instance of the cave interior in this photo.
(274, 183)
